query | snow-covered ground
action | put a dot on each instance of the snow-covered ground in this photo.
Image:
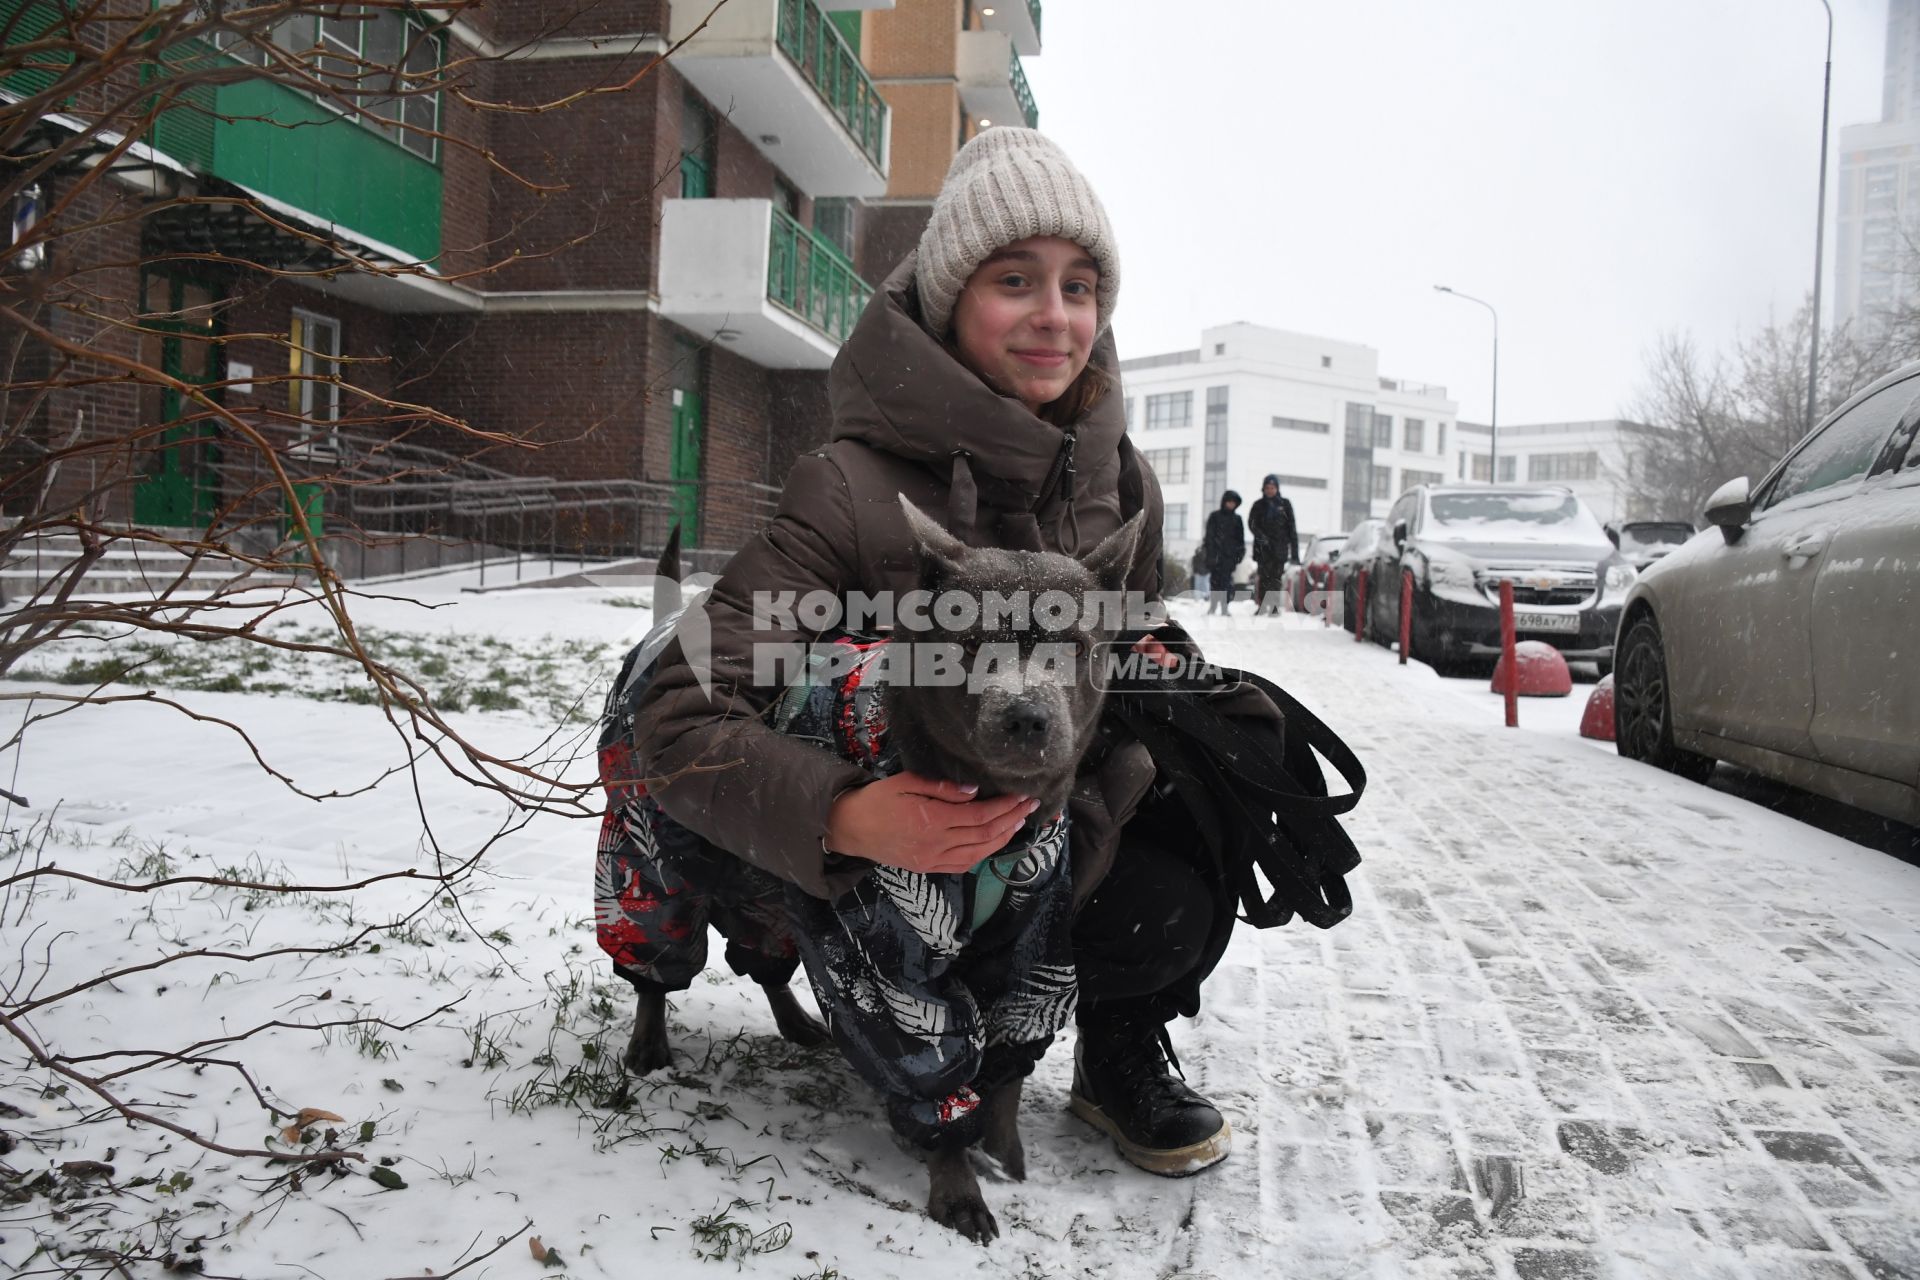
(1588, 1020)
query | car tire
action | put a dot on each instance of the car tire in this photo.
(1642, 708)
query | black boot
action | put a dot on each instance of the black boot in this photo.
(1123, 1084)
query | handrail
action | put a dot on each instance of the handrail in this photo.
(816, 46)
(809, 276)
(1023, 93)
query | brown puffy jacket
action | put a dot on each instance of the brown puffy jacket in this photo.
(908, 419)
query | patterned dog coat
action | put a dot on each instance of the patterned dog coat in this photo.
(937, 987)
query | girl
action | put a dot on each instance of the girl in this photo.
(979, 384)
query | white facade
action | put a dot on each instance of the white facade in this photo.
(1591, 458)
(1879, 188)
(1310, 409)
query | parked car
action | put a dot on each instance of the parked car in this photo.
(1315, 572)
(1787, 638)
(1642, 542)
(1458, 542)
(1362, 540)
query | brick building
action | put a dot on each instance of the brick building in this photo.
(617, 271)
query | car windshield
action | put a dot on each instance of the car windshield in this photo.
(1491, 516)
(1654, 537)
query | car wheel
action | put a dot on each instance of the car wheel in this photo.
(1642, 709)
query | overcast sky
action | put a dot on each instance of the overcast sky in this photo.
(1599, 171)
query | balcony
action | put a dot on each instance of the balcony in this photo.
(786, 79)
(1019, 19)
(746, 274)
(836, 6)
(993, 88)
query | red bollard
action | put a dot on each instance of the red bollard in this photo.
(1406, 614)
(1360, 609)
(1506, 653)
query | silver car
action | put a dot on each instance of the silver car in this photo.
(1785, 637)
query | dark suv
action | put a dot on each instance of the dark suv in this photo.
(1458, 542)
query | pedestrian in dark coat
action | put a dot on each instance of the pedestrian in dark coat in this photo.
(1226, 544)
(1276, 544)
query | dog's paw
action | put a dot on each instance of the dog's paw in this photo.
(648, 1050)
(1008, 1152)
(966, 1213)
(795, 1024)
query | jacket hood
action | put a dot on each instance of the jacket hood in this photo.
(1230, 496)
(896, 387)
(1273, 478)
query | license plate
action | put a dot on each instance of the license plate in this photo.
(1546, 621)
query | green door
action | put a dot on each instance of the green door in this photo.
(179, 486)
(686, 465)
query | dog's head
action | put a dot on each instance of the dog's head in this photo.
(1002, 690)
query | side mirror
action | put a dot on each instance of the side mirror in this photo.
(1613, 535)
(1400, 533)
(1730, 508)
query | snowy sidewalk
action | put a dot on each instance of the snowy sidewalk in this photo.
(1588, 1020)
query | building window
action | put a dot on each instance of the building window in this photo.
(1173, 524)
(1173, 409)
(1416, 435)
(1169, 465)
(1440, 445)
(1506, 469)
(1382, 430)
(1563, 466)
(697, 144)
(1219, 348)
(379, 59)
(1412, 479)
(1382, 482)
(1326, 362)
(1214, 480)
(1355, 485)
(833, 222)
(1301, 482)
(313, 382)
(1129, 412)
(1482, 468)
(1301, 424)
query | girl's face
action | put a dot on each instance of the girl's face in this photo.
(1025, 321)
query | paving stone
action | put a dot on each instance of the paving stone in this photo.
(1547, 1217)
(1578, 1083)
(1392, 1077)
(1601, 1148)
(1378, 1016)
(1433, 1221)
(1778, 1224)
(1829, 1174)
(1500, 1180)
(1889, 1245)
(1717, 1034)
(1555, 1264)
(1414, 1150)
(1799, 1266)
(1473, 1041)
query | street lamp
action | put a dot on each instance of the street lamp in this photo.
(1493, 425)
(1820, 225)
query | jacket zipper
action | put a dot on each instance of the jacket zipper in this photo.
(1060, 477)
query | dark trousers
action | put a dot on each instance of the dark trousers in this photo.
(1152, 932)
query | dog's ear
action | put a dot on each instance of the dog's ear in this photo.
(1112, 560)
(940, 551)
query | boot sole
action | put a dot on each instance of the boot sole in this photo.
(1174, 1162)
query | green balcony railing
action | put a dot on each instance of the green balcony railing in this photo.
(1033, 7)
(813, 279)
(816, 46)
(1023, 93)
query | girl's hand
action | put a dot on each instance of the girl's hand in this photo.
(917, 823)
(1157, 653)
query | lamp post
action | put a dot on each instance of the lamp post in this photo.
(1820, 226)
(1493, 425)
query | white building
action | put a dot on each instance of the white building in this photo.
(1879, 187)
(1594, 459)
(1252, 400)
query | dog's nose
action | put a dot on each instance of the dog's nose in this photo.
(1025, 721)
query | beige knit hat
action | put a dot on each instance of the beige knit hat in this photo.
(1005, 185)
